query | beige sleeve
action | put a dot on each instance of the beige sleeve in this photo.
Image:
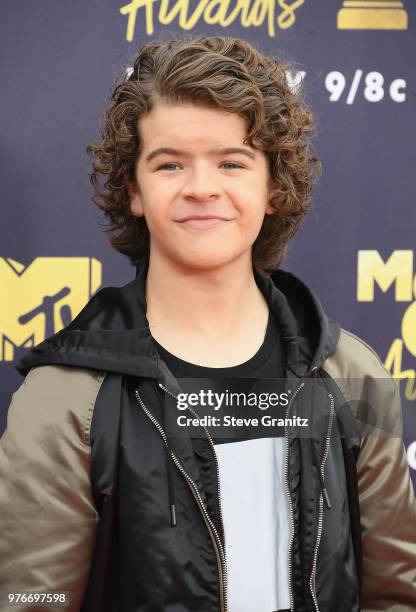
(47, 516)
(388, 522)
(386, 495)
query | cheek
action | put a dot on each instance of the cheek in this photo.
(155, 221)
(156, 191)
(254, 210)
(153, 185)
(252, 195)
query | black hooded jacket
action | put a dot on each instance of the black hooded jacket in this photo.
(160, 543)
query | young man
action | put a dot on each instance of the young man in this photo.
(208, 173)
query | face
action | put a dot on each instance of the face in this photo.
(204, 206)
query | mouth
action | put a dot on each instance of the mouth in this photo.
(202, 222)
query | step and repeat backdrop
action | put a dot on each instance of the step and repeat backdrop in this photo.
(356, 249)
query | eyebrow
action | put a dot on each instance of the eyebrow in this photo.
(212, 152)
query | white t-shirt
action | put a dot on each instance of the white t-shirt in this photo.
(255, 511)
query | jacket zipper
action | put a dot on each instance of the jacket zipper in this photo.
(286, 480)
(312, 580)
(219, 550)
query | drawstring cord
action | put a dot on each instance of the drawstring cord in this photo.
(314, 373)
(171, 486)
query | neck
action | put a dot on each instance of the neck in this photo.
(214, 306)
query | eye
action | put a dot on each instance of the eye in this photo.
(165, 165)
(233, 164)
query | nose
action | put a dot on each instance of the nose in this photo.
(201, 185)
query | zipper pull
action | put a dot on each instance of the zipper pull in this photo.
(173, 515)
(324, 491)
(326, 498)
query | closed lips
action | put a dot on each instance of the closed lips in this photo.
(201, 223)
(195, 217)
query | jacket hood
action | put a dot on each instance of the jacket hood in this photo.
(111, 332)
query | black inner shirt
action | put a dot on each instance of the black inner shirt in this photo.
(267, 362)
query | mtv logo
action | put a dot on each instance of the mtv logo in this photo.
(42, 298)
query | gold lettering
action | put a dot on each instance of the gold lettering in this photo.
(397, 269)
(131, 10)
(212, 12)
(233, 14)
(258, 13)
(287, 18)
(192, 21)
(182, 8)
(393, 363)
(245, 15)
(215, 12)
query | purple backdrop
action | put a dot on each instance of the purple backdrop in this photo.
(356, 249)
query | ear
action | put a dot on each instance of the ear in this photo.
(136, 204)
(269, 209)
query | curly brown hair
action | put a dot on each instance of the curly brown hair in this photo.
(217, 72)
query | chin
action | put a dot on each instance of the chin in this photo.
(210, 260)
